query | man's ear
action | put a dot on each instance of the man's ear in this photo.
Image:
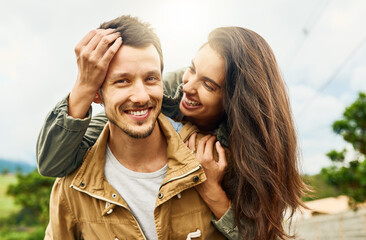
(97, 98)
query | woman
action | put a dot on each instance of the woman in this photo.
(254, 120)
(233, 89)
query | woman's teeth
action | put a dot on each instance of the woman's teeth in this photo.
(191, 103)
(138, 113)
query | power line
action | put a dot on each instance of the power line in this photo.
(335, 74)
(307, 29)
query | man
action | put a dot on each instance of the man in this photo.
(137, 181)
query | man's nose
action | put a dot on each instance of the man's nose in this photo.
(139, 94)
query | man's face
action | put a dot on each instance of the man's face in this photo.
(132, 91)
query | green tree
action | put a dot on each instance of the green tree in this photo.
(320, 188)
(5, 171)
(350, 177)
(32, 193)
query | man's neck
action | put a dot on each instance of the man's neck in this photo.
(139, 155)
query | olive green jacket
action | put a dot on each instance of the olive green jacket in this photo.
(63, 141)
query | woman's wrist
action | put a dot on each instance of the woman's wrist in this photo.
(80, 100)
(216, 199)
(220, 205)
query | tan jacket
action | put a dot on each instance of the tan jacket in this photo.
(84, 206)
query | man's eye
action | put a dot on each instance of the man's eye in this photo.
(151, 78)
(121, 81)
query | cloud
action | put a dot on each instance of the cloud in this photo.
(358, 79)
(312, 163)
(330, 43)
(313, 120)
(38, 67)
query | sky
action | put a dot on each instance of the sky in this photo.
(320, 46)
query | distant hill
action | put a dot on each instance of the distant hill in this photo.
(13, 167)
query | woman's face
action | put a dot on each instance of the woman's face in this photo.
(203, 89)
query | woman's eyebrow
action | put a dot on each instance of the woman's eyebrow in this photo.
(212, 81)
(192, 63)
(206, 78)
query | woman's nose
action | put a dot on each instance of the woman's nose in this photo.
(189, 84)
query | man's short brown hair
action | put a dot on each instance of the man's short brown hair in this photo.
(135, 33)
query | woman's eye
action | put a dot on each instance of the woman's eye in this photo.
(208, 86)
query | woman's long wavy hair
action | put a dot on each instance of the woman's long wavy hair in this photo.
(262, 179)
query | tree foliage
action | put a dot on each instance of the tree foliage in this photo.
(320, 188)
(349, 177)
(32, 192)
(352, 127)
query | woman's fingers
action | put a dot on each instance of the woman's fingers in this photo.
(208, 152)
(201, 146)
(105, 43)
(201, 149)
(112, 50)
(94, 54)
(191, 142)
(93, 43)
(84, 41)
(222, 163)
(205, 152)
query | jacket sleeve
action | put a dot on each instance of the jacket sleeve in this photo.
(62, 224)
(63, 140)
(227, 225)
(173, 92)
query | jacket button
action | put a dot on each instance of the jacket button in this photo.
(161, 195)
(82, 184)
(196, 179)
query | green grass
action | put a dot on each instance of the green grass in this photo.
(22, 233)
(7, 205)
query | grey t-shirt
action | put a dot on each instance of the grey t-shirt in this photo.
(139, 190)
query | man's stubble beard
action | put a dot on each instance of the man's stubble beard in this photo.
(133, 134)
(129, 131)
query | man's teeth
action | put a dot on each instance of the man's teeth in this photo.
(191, 103)
(138, 113)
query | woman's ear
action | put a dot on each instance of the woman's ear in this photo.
(97, 98)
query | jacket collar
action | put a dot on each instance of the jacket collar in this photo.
(90, 178)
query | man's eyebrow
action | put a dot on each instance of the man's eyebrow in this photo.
(153, 72)
(128, 75)
(120, 75)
